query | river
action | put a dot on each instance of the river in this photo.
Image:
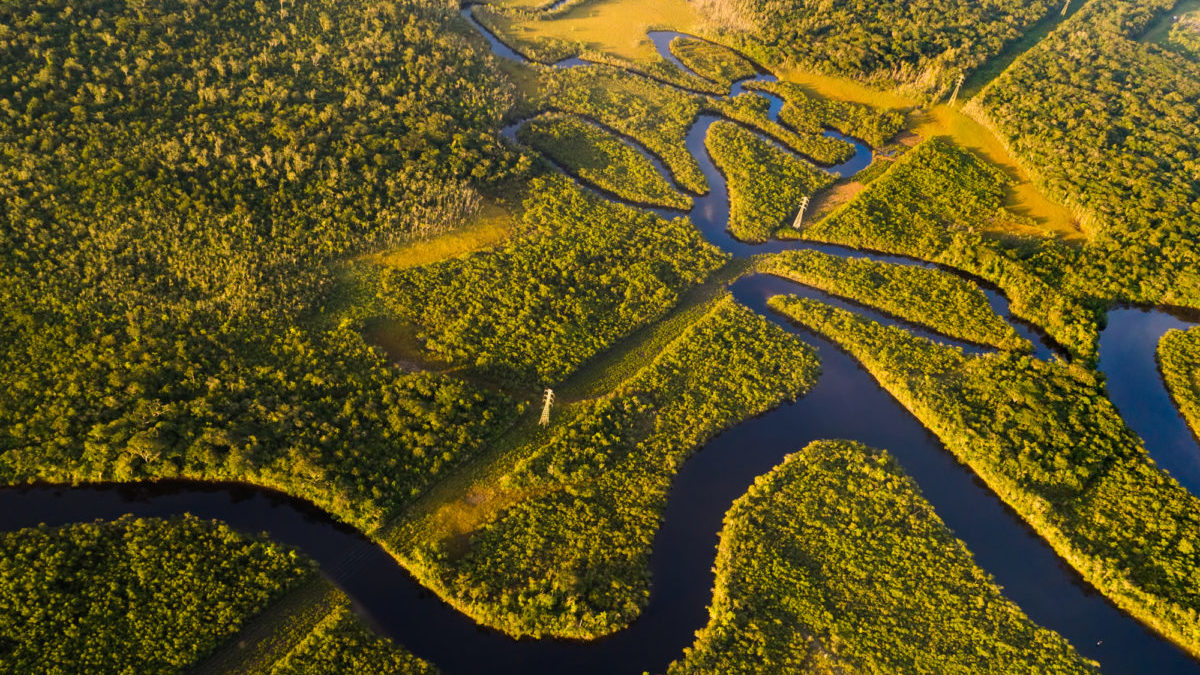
(1030, 572)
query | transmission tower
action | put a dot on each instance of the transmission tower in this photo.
(1066, 6)
(957, 85)
(800, 216)
(547, 400)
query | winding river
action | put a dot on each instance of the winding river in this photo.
(1030, 572)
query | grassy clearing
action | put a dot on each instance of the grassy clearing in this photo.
(1044, 216)
(834, 562)
(491, 226)
(617, 27)
(1160, 30)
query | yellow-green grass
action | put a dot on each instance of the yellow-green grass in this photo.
(616, 27)
(490, 226)
(1024, 197)
(271, 635)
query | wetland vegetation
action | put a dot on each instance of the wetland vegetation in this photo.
(766, 183)
(1047, 440)
(834, 562)
(207, 206)
(565, 552)
(157, 596)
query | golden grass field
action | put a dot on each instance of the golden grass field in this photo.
(617, 27)
(490, 226)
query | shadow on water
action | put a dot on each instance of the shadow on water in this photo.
(844, 397)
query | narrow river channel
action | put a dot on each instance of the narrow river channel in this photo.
(846, 404)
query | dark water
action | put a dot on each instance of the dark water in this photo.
(846, 403)
(1127, 358)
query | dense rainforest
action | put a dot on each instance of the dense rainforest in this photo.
(942, 204)
(766, 183)
(601, 159)
(924, 45)
(148, 595)
(177, 181)
(1044, 437)
(1110, 125)
(580, 273)
(202, 209)
(1179, 362)
(566, 552)
(834, 562)
(930, 297)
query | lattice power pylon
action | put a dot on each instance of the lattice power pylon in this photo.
(957, 85)
(547, 401)
(800, 216)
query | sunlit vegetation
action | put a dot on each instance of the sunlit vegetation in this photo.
(1046, 217)
(615, 27)
(597, 157)
(834, 562)
(341, 643)
(1179, 361)
(132, 595)
(765, 182)
(581, 273)
(923, 46)
(656, 115)
(569, 558)
(1046, 439)
(937, 203)
(813, 114)
(148, 595)
(1185, 35)
(1111, 126)
(178, 182)
(491, 225)
(717, 63)
(523, 32)
(930, 297)
(753, 111)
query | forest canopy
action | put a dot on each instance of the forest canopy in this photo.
(925, 44)
(834, 562)
(178, 182)
(132, 595)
